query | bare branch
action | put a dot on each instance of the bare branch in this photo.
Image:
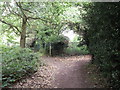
(45, 20)
(14, 30)
(13, 12)
(27, 10)
(28, 23)
(35, 18)
(19, 5)
(12, 26)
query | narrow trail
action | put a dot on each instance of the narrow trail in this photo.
(70, 71)
(60, 72)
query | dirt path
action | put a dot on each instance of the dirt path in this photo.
(60, 72)
(70, 71)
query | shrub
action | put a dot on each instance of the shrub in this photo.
(103, 38)
(58, 44)
(16, 63)
(75, 50)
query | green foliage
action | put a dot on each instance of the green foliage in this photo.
(57, 38)
(103, 38)
(73, 49)
(16, 63)
(45, 14)
(97, 23)
(57, 43)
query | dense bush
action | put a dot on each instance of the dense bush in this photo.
(16, 63)
(58, 44)
(103, 38)
(75, 50)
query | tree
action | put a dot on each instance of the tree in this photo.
(24, 13)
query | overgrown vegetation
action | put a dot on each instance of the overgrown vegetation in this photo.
(95, 76)
(17, 63)
(75, 50)
(103, 38)
(39, 27)
(56, 45)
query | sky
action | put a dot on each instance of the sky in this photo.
(70, 34)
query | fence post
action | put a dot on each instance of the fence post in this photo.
(50, 50)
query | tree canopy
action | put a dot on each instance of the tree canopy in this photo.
(40, 24)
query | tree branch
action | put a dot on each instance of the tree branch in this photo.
(11, 26)
(19, 5)
(35, 18)
(12, 10)
(27, 10)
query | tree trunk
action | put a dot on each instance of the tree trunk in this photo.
(23, 33)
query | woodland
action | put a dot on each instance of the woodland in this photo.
(31, 30)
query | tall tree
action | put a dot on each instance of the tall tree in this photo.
(24, 13)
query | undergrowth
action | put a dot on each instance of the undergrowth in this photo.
(75, 50)
(17, 63)
(96, 76)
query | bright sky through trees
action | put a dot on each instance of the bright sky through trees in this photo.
(70, 34)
